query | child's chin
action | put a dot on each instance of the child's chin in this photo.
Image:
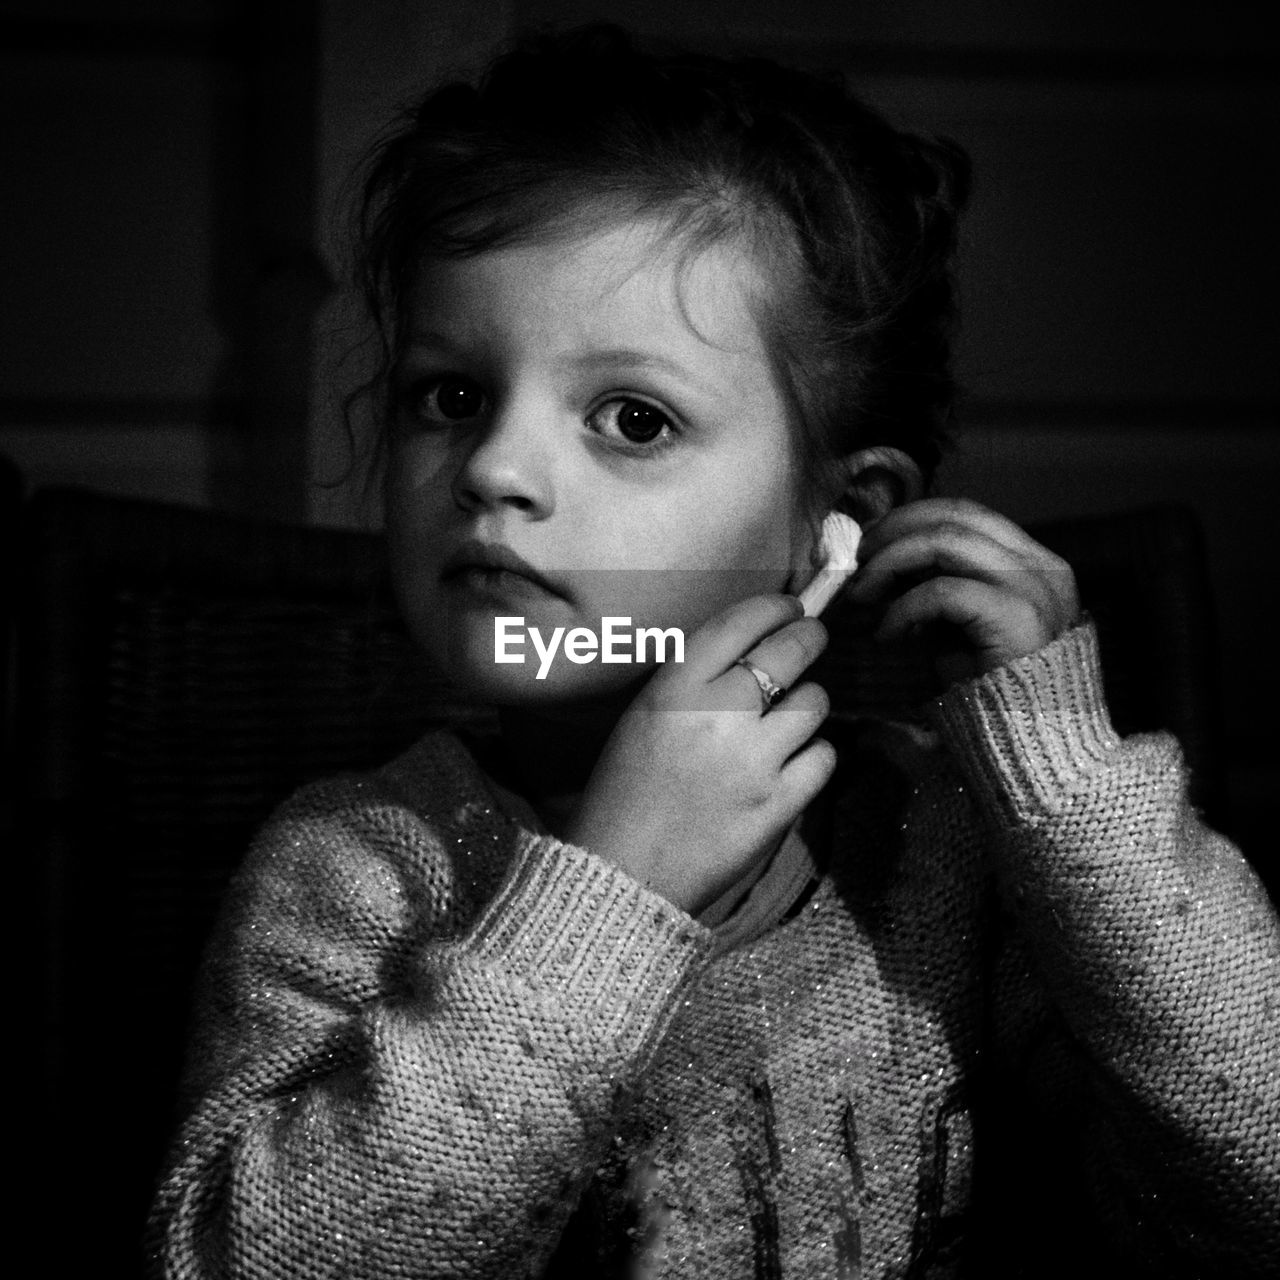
(563, 684)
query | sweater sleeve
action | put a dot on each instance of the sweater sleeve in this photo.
(381, 1085)
(1159, 954)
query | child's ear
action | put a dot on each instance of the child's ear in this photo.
(874, 481)
(877, 480)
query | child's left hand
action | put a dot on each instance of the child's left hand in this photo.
(978, 586)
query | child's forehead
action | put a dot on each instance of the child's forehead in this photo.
(630, 272)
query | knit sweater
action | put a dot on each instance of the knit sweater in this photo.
(1023, 1020)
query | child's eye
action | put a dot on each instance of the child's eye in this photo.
(633, 421)
(446, 399)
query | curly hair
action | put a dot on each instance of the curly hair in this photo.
(855, 219)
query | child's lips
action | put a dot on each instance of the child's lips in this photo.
(500, 585)
(494, 570)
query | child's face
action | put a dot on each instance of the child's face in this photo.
(609, 417)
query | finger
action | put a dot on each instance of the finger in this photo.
(788, 652)
(716, 645)
(803, 776)
(794, 720)
(955, 512)
(952, 550)
(995, 622)
(913, 516)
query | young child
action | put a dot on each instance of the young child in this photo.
(660, 982)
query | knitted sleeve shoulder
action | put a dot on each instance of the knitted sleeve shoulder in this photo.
(1157, 1058)
(416, 1026)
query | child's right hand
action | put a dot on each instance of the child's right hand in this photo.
(697, 783)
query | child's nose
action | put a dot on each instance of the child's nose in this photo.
(508, 465)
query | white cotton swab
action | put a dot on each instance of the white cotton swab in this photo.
(838, 550)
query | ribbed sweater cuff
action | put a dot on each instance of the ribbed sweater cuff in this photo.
(570, 925)
(1029, 731)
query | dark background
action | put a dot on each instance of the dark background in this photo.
(173, 317)
(172, 313)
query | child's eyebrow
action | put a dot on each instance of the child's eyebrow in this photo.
(629, 358)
